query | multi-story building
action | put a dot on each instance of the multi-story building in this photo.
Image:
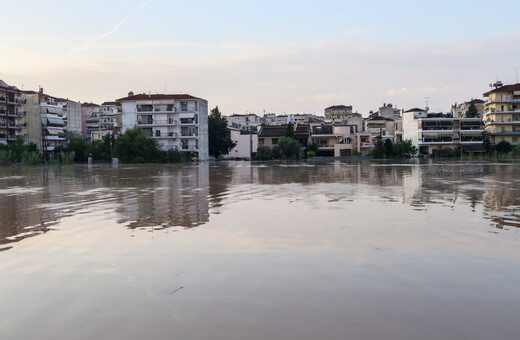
(459, 110)
(177, 121)
(340, 140)
(243, 121)
(269, 134)
(338, 114)
(502, 113)
(430, 132)
(12, 122)
(114, 109)
(45, 122)
(380, 126)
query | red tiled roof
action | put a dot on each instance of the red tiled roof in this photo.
(156, 97)
(85, 104)
(415, 109)
(505, 88)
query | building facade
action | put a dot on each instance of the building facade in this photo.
(502, 113)
(177, 121)
(12, 113)
(430, 132)
(338, 114)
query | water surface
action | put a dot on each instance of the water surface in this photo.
(231, 250)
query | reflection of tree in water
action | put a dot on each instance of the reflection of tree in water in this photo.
(220, 178)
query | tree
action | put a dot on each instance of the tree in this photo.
(79, 145)
(404, 149)
(220, 142)
(263, 153)
(486, 142)
(290, 130)
(288, 147)
(503, 147)
(388, 147)
(134, 147)
(378, 150)
(472, 111)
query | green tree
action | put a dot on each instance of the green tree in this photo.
(263, 153)
(388, 147)
(288, 147)
(404, 149)
(220, 142)
(134, 147)
(313, 147)
(503, 147)
(77, 144)
(378, 150)
(472, 111)
(290, 131)
(486, 142)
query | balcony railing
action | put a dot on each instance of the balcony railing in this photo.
(189, 147)
(188, 135)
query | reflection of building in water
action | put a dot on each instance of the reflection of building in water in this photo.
(25, 207)
(501, 199)
(176, 196)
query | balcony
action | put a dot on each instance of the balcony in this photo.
(3, 99)
(13, 113)
(11, 137)
(189, 147)
(188, 135)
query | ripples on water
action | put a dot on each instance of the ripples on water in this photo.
(233, 250)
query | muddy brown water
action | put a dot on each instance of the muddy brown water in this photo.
(230, 250)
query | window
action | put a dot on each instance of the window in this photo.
(260, 141)
(184, 106)
(157, 133)
(275, 141)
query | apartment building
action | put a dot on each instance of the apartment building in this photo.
(269, 134)
(177, 121)
(243, 121)
(502, 113)
(430, 132)
(12, 113)
(45, 121)
(338, 113)
(459, 110)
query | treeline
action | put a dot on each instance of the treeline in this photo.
(388, 149)
(129, 147)
(286, 148)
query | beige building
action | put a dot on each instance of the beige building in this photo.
(45, 121)
(340, 140)
(502, 113)
(338, 114)
(430, 132)
(459, 110)
(12, 113)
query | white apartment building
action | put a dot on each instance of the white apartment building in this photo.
(177, 121)
(430, 132)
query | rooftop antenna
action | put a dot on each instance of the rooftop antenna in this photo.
(516, 70)
(165, 85)
(427, 99)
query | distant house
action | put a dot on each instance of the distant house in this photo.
(340, 140)
(269, 134)
(246, 142)
(338, 113)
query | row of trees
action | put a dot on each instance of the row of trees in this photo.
(389, 149)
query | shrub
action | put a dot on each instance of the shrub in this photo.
(67, 157)
(263, 153)
(6, 157)
(31, 158)
(503, 147)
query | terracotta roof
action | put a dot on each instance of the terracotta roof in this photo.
(85, 104)
(337, 107)
(110, 103)
(156, 97)
(415, 109)
(505, 88)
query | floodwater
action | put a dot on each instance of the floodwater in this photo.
(226, 250)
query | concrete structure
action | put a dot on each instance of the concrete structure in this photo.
(177, 121)
(269, 134)
(338, 114)
(45, 122)
(430, 132)
(502, 113)
(340, 140)
(380, 126)
(12, 113)
(461, 109)
(243, 121)
(246, 142)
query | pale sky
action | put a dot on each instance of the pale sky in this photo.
(249, 56)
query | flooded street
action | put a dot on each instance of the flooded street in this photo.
(226, 250)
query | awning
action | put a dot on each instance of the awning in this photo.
(55, 121)
(473, 148)
(52, 131)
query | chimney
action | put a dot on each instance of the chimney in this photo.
(130, 94)
(41, 90)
